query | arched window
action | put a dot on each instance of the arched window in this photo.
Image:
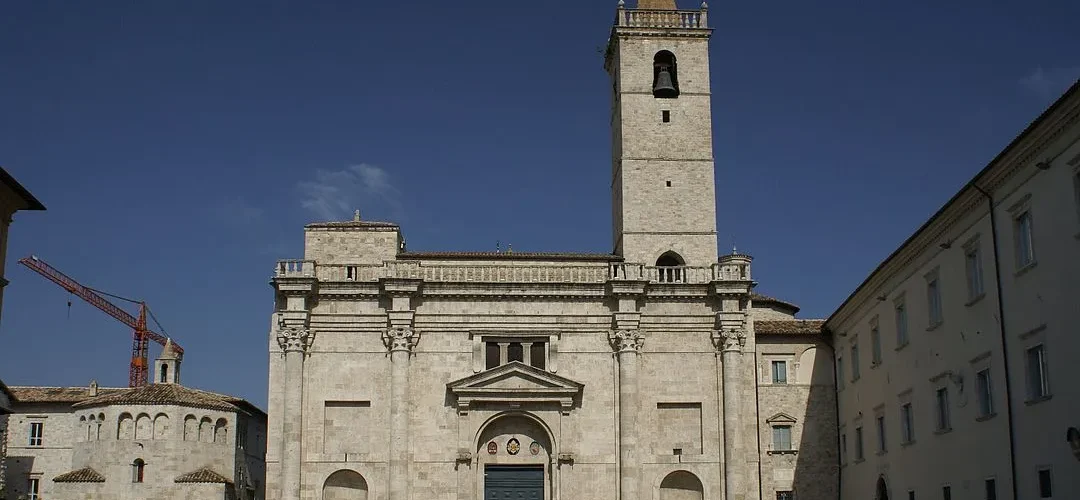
(669, 268)
(138, 467)
(221, 433)
(82, 422)
(191, 428)
(161, 426)
(125, 428)
(164, 373)
(665, 75)
(882, 489)
(345, 485)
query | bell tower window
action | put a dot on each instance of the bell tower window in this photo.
(665, 76)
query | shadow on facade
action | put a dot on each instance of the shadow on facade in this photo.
(18, 474)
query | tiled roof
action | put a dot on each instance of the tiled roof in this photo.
(165, 394)
(789, 327)
(84, 475)
(603, 257)
(58, 394)
(203, 475)
(757, 297)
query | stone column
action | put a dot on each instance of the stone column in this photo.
(399, 340)
(294, 343)
(627, 345)
(731, 342)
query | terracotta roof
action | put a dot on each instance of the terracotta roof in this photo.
(84, 475)
(789, 327)
(58, 394)
(603, 257)
(203, 475)
(351, 223)
(165, 394)
(757, 297)
(9, 181)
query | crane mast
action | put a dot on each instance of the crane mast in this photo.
(141, 336)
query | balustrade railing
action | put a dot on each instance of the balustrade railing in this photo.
(458, 273)
(637, 18)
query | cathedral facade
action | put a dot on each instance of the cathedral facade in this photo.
(653, 372)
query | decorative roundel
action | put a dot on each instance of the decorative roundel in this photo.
(492, 448)
(534, 448)
(513, 446)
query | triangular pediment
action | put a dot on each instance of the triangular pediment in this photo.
(515, 383)
(781, 418)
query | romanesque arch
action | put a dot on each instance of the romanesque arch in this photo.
(82, 423)
(517, 444)
(221, 431)
(161, 426)
(125, 427)
(144, 428)
(345, 485)
(191, 428)
(206, 430)
(681, 485)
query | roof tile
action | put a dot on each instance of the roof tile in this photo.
(203, 475)
(165, 394)
(84, 475)
(27, 394)
(789, 327)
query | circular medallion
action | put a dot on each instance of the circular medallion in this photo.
(513, 446)
(492, 448)
(534, 448)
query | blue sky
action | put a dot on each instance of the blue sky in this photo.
(181, 146)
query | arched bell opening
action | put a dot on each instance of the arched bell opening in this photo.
(665, 75)
(669, 268)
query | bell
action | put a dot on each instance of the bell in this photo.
(663, 86)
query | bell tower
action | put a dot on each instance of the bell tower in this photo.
(663, 188)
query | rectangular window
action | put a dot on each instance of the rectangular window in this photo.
(942, 407)
(973, 259)
(858, 444)
(901, 324)
(666, 115)
(911, 495)
(779, 372)
(1038, 385)
(781, 437)
(946, 493)
(882, 446)
(985, 392)
(875, 344)
(37, 431)
(854, 362)
(843, 447)
(839, 373)
(933, 302)
(785, 495)
(1025, 253)
(1046, 484)
(33, 487)
(907, 424)
(500, 353)
(990, 485)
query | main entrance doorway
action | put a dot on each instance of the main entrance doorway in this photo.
(517, 482)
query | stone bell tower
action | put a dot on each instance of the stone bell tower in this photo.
(663, 189)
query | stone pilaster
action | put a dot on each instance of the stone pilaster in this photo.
(730, 344)
(295, 341)
(627, 344)
(400, 338)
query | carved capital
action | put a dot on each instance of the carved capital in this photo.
(400, 338)
(626, 340)
(729, 340)
(295, 339)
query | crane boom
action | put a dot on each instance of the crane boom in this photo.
(137, 375)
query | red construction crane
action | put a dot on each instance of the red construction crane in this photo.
(141, 335)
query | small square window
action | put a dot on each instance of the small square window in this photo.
(785, 495)
(668, 183)
(665, 115)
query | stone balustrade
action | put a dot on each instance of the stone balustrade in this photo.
(638, 18)
(583, 273)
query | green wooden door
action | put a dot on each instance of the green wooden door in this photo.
(513, 482)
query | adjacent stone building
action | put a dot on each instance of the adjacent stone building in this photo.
(653, 372)
(160, 441)
(954, 356)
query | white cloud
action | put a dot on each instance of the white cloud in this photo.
(333, 195)
(1049, 83)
